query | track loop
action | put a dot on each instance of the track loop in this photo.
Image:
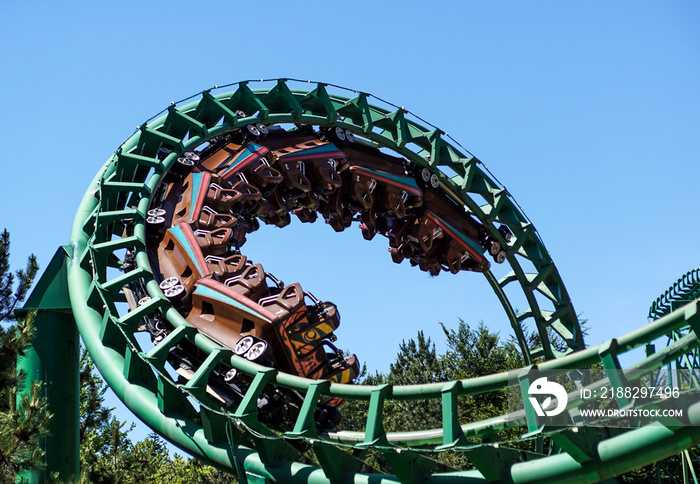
(164, 226)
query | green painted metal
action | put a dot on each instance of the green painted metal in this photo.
(53, 360)
(681, 292)
(684, 290)
(139, 376)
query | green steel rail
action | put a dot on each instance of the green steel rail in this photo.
(235, 439)
(681, 292)
(684, 290)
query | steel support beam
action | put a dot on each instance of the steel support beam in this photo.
(53, 359)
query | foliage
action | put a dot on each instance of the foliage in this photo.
(191, 471)
(470, 353)
(11, 294)
(24, 423)
(417, 361)
(94, 416)
(108, 455)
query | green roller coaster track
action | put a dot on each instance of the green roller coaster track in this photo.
(235, 439)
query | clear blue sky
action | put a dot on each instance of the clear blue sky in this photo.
(589, 112)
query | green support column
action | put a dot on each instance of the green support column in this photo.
(54, 359)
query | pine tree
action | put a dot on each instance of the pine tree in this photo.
(416, 362)
(11, 294)
(470, 353)
(21, 425)
(103, 439)
(94, 416)
(108, 455)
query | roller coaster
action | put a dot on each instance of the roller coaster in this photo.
(236, 367)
